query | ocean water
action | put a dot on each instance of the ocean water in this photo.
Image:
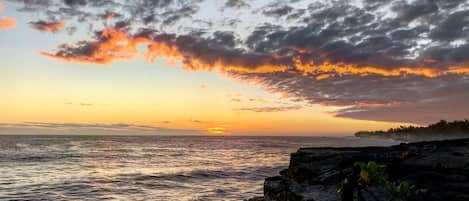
(147, 167)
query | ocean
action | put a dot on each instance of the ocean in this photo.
(147, 167)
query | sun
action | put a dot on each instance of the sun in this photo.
(216, 130)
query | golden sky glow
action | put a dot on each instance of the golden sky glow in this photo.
(210, 108)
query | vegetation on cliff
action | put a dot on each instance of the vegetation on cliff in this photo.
(439, 130)
(368, 175)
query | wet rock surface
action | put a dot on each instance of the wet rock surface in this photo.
(439, 170)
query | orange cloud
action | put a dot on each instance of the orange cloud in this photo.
(47, 26)
(325, 70)
(193, 61)
(115, 44)
(2, 7)
(7, 23)
(461, 70)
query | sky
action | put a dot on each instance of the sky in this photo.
(231, 67)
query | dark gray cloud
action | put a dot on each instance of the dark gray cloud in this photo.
(296, 14)
(373, 57)
(172, 16)
(433, 109)
(52, 26)
(409, 12)
(233, 23)
(237, 4)
(277, 10)
(398, 99)
(90, 12)
(452, 27)
(73, 3)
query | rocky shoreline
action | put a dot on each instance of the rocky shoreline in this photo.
(438, 169)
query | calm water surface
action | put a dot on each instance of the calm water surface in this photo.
(146, 167)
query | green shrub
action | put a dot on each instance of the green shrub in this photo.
(372, 174)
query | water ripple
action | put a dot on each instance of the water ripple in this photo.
(145, 167)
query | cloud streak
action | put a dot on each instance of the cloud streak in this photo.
(86, 128)
(270, 109)
(86, 104)
(47, 26)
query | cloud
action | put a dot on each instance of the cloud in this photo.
(217, 52)
(110, 45)
(7, 23)
(214, 53)
(421, 112)
(342, 36)
(73, 3)
(236, 100)
(173, 16)
(236, 4)
(270, 109)
(86, 104)
(80, 104)
(88, 128)
(196, 121)
(109, 15)
(277, 10)
(370, 57)
(2, 6)
(47, 26)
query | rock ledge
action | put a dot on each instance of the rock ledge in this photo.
(439, 170)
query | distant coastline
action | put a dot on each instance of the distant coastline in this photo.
(437, 131)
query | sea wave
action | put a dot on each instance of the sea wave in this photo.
(145, 167)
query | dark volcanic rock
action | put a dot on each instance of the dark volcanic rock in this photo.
(439, 170)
